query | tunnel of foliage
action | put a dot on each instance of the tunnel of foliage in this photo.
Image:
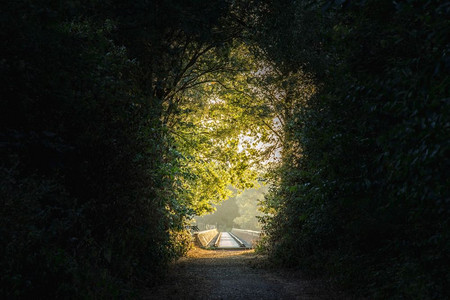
(122, 120)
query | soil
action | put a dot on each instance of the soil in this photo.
(236, 274)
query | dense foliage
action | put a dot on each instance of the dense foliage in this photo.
(122, 120)
(94, 192)
(363, 189)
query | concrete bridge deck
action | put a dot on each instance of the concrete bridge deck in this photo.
(227, 241)
(236, 239)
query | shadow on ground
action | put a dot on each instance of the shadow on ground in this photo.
(235, 274)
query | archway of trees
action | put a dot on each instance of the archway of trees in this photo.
(121, 121)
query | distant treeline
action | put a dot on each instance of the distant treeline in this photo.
(239, 211)
(363, 190)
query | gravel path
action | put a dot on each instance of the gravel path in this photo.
(234, 274)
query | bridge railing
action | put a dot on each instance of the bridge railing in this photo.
(251, 237)
(205, 237)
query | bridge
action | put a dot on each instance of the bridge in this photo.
(234, 239)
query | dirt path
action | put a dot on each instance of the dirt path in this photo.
(228, 274)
